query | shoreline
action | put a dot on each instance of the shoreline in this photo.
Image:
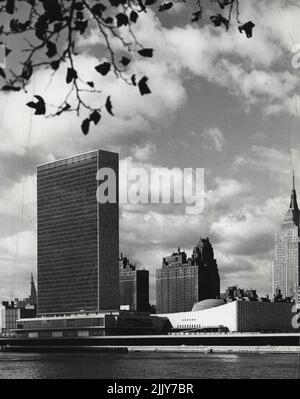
(154, 349)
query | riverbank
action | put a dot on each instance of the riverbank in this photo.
(153, 349)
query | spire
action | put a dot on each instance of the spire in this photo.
(294, 209)
(293, 203)
(33, 292)
(294, 180)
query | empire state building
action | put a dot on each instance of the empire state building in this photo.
(287, 251)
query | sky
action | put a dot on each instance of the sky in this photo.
(219, 101)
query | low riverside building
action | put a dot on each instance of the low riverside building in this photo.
(236, 316)
(92, 325)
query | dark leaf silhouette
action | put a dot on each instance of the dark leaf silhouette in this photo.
(95, 117)
(55, 65)
(41, 27)
(196, 16)
(57, 26)
(91, 84)
(165, 6)
(85, 126)
(27, 71)
(10, 6)
(133, 80)
(108, 106)
(10, 88)
(79, 6)
(122, 19)
(224, 3)
(98, 9)
(247, 28)
(79, 15)
(133, 16)
(52, 9)
(71, 75)
(2, 73)
(125, 61)
(52, 51)
(39, 106)
(103, 68)
(81, 26)
(146, 52)
(144, 89)
(109, 20)
(218, 19)
(7, 51)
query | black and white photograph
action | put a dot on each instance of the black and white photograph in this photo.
(150, 166)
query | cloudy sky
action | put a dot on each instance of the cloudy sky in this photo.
(219, 101)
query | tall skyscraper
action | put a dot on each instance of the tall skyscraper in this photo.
(208, 275)
(78, 237)
(287, 255)
(133, 286)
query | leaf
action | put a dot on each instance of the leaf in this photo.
(55, 65)
(85, 126)
(91, 84)
(109, 20)
(10, 6)
(125, 61)
(122, 19)
(95, 117)
(10, 88)
(57, 26)
(196, 16)
(103, 68)
(2, 73)
(81, 26)
(98, 9)
(108, 106)
(133, 80)
(247, 28)
(71, 74)
(53, 10)
(41, 27)
(146, 52)
(133, 16)
(144, 89)
(39, 106)
(165, 6)
(115, 3)
(52, 51)
(27, 71)
(78, 6)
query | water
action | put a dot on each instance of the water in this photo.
(153, 365)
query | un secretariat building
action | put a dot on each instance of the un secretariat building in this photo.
(78, 238)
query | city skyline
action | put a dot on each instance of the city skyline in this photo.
(222, 102)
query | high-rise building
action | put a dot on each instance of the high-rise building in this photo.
(176, 284)
(181, 282)
(77, 236)
(133, 286)
(208, 275)
(287, 255)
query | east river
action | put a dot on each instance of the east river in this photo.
(147, 365)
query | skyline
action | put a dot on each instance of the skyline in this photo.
(223, 103)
